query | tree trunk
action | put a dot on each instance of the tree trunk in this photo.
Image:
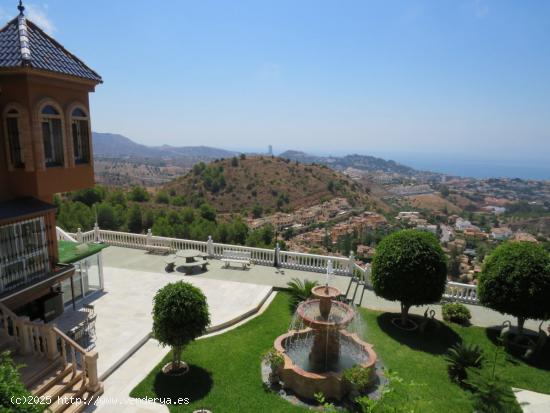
(521, 322)
(404, 313)
(176, 356)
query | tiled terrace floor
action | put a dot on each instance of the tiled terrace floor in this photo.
(133, 259)
(124, 308)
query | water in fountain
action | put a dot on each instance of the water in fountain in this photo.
(299, 346)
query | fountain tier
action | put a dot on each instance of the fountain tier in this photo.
(321, 348)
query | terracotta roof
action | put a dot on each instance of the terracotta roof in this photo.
(24, 44)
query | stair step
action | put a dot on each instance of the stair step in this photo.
(61, 386)
(62, 403)
(33, 368)
(88, 399)
(41, 386)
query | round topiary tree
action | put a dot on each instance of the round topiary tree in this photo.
(515, 280)
(180, 314)
(409, 266)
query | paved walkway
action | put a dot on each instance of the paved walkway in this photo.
(118, 386)
(532, 402)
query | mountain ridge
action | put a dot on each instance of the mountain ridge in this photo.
(112, 145)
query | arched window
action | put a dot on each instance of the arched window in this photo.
(81, 136)
(13, 134)
(52, 135)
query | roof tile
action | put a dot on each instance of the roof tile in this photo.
(43, 52)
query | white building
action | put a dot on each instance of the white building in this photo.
(501, 234)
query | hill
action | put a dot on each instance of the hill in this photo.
(237, 185)
(110, 145)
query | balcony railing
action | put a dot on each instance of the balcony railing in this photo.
(346, 266)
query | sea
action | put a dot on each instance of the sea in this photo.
(460, 165)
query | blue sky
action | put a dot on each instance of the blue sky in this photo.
(460, 78)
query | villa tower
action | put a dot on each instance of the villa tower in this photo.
(45, 148)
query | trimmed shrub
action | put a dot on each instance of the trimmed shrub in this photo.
(515, 280)
(409, 266)
(456, 313)
(180, 314)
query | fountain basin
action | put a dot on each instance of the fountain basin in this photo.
(297, 375)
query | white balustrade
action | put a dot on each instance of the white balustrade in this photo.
(287, 259)
(48, 341)
(461, 292)
(65, 236)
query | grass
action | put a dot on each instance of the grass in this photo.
(225, 369)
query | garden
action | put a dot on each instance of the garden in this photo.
(428, 365)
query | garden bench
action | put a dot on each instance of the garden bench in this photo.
(170, 263)
(158, 249)
(236, 257)
(189, 266)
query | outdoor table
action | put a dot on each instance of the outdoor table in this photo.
(190, 259)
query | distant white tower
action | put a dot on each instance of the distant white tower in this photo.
(270, 150)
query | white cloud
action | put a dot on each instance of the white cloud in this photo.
(38, 15)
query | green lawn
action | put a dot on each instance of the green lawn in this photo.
(225, 374)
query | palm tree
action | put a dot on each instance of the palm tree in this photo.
(300, 290)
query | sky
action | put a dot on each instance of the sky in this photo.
(464, 78)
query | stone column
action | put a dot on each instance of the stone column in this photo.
(276, 262)
(51, 342)
(79, 236)
(24, 335)
(149, 240)
(90, 360)
(210, 246)
(96, 233)
(351, 263)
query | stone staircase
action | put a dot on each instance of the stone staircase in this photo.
(53, 366)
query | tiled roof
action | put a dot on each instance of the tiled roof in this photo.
(24, 44)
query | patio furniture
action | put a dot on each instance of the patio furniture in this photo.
(170, 263)
(158, 249)
(89, 308)
(236, 257)
(90, 326)
(191, 261)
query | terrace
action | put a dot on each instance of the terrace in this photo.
(133, 274)
(134, 270)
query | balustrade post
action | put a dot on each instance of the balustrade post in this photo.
(91, 371)
(149, 240)
(97, 237)
(51, 342)
(210, 246)
(351, 263)
(276, 255)
(25, 338)
(79, 235)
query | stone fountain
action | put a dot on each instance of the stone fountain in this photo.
(319, 346)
